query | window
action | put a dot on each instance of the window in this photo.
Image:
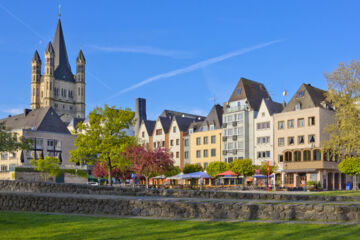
(281, 125)
(297, 156)
(281, 158)
(171, 142)
(307, 155)
(186, 142)
(212, 127)
(300, 94)
(291, 123)
(316, 155)
(268, 154)
(213, 152)
(290, 178)
(290, 140)
(311, 121)
(240, 131)
(288, 156)
(198, 154)
(174, 129)
(206, 153)
(177, 142)
(311, 138)
(230, 132)
(143, 134)
(206, 140)
(300, 139)
(186, 155)
(12, 155)
(300, 122)
(4, 156)
(298, 107)
(163, 143)
(263, 140)
(177, 155)
(50, 144)
(12, 167)
(230, 146)
(191, 130)
(263, 125)
(3, 168)
(38, 143)
(205, 165)
(281, 142)
(198, 141)
(158, 131)
(238, 91)
(203, 128)
(213, 139)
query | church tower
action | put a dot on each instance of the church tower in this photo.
(58, 87)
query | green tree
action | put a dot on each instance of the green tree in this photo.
(104, 139)
(350, 166)
(344, 96)
(172, 171)
(47, 166)
(190, 168)
(264, 168)
(214, 168)
(243, 167)
(11, 142)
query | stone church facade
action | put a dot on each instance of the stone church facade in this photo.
(57, 86)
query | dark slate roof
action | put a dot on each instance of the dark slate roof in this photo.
(80, 58)
(170, 113)
(49, 48)
(149, 125)
(74, 122)
(196, 126)
(273, 107)
(183, 123)
(36, 57)
(62, 66)
(309, 97)
(42, 119)
(165, 123)
(253, 91)
(215, 117)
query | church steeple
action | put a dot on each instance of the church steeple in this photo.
(62, 66)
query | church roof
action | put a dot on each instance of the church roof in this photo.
(62, 66)
(36, 57)
(80, 57)
(49, 48)
(41, 119)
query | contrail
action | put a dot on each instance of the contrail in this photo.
(195, 66)
(21, 21)
(99, 80)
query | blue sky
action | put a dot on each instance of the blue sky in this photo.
(194, 51)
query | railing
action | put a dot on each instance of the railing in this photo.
(236, 109)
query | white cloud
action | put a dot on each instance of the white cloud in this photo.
(195, 66)
(12, 111)
(143, 50)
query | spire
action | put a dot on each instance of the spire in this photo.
(49, 48)
(62, 66)
(36, 57)
(80, 58)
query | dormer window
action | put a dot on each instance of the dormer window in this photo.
(238, 91)
(298, 106)
(300, 94)
(212, 127)
(191, 130)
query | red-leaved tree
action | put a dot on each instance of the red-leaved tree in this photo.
(101, 170)
(148, 163)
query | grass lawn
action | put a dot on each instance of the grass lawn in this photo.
(340, 193)
(47, 226)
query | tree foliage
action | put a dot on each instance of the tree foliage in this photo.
(104, 139)
(344, 96)
(190, 168)
(214, 168)
(100, 170)
(148, 163)
(172, 171)
(350, 166)
(243, 167)
(264, 168)
(10, 142)
(47, 166)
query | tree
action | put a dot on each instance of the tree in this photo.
(344, 96)
(101, 170)
(264, 168)
(172, 171)
(10, 142)
(243, 167)
(214, 168)
(104, 139)
(190, 168)
(47, 166)
(350, 166)
(148, 163)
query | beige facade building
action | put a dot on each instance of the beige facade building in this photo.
(299, 131)
(57, 86)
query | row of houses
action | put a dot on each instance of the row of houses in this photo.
(251, 125)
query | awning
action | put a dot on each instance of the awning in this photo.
(227, 173)
(176, 177)
(159, 177)
(196, 175)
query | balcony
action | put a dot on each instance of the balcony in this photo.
(234, 124)
(308, 165)
(234, 137)
(224, 138)
(236, 109)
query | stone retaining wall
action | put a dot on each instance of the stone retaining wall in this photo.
(21, 186)
(165, 208)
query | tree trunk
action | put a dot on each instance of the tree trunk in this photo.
(109, 172)
(355, 183)
(147, 182)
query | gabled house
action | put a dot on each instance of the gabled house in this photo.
(145, 133)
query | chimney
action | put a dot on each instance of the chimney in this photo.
(26, 111)
(140, 113)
